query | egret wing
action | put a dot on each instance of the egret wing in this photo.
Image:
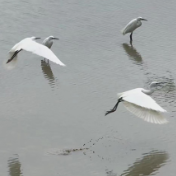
(129, 27)
(19, 44)
(148, 115)
(41, 50)
(139, 98)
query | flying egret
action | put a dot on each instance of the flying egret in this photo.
(138, 102)
(132, 25)
(49, 41)
(29, 44)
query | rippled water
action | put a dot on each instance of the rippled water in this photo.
(47, 110)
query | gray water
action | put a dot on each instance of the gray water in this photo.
(47, 109)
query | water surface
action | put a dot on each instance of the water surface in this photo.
(46, 108)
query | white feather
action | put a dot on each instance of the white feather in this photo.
(148, 115)
(131, 26)
(137, 97)
(30, 45)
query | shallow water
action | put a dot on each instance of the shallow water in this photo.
(47, 109)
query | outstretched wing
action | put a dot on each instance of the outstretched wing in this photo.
(139, 98)
(41, 50)
(148, 115)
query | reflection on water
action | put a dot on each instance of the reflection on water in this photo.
(47, 72)
(132, 53)
(14, 166)
(150, 163)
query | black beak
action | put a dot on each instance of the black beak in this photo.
(162, 82)
(55, 38)
(36, 38)
(144, 19)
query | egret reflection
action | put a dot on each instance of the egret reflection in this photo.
(132, 53)
(14, 166)
(47, 72)
(148, 164)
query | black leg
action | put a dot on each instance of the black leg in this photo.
(131, 39)
(131, 43)
(114, 108)
(15, 53)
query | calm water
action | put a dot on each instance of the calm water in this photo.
(46, 109)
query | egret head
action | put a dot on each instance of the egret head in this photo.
(53, 38)
(155, 84)
(140, 18)
(35, 38)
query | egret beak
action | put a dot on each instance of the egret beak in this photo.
(55, 38)
(162, 83)
(144, 19)
(37, 38)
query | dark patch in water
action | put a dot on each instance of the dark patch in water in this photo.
(66, 151)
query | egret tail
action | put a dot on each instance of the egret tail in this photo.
(123, 31)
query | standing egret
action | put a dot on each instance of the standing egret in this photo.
(138, 102)
(132, 25)
(29, 44)
(49, 41)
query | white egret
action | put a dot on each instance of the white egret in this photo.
(49, 41)
(138, 102)
(29, 44)
(132, 25)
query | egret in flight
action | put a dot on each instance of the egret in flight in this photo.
(49, 41)
(29, 44)
(138, 102)
(132, 25)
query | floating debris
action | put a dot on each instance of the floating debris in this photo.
(65, 151)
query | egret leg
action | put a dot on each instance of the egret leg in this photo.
(131, 39)
(16, 52)
(131, 43)
(114, 108)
